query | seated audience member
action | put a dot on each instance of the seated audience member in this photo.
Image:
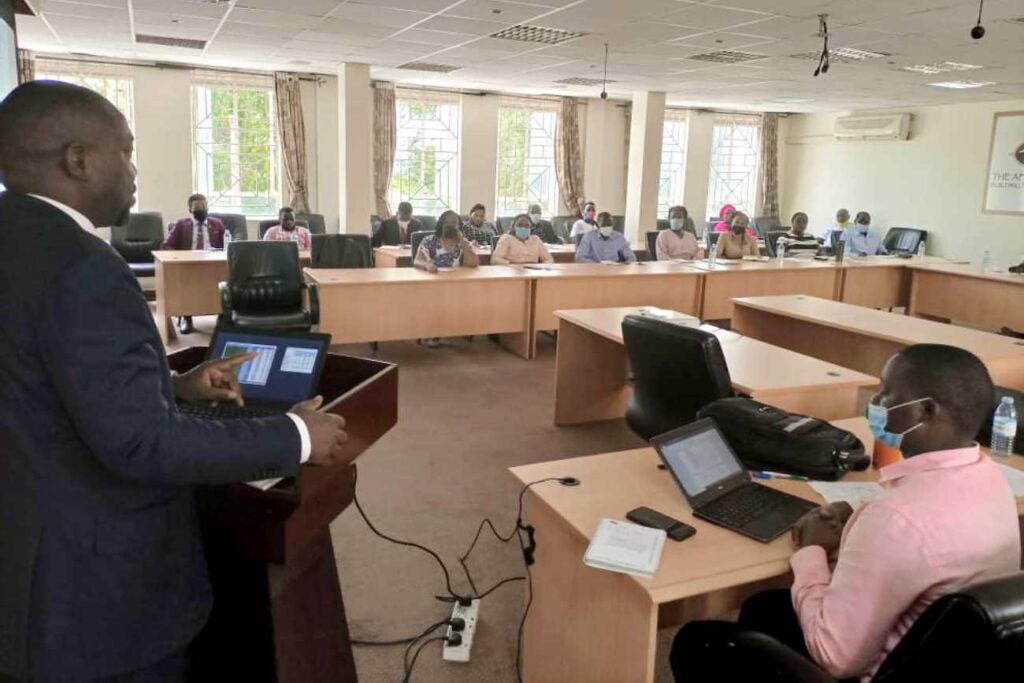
(842, 223)
(587, 223)
(198, 231)
(446, 248)
(604, 245)
(945, 520)
(288, 230)
(677, 242)
(477, 229)
(797, 240)
(726, 214)
(859, 238)
(396, 230)
(520, 246)
(540, 227)
(738, 242)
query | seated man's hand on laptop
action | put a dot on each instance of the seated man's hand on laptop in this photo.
(214, 380)
(823, 527)
(326, 432)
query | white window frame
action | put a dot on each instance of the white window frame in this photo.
(540, 139)
(441, 137)
(672, 178)
(735, 162)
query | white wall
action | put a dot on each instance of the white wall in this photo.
(933, 181)
(699, 129)
(478, 153)
(603, 139)
(324, 195)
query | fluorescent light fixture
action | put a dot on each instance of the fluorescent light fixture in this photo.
(853, 54)
(939, 68)
(962, 85)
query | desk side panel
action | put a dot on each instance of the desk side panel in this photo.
(989, 302)
(722, 286)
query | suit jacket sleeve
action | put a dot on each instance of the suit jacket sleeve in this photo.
(173, 237)
(101, 347)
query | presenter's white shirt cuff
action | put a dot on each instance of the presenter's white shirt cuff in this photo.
(307, 444)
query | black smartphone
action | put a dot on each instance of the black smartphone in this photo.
(676, 530)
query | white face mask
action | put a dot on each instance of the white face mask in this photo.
(863, 227)
(676, 223)
(535, 217)
(606, 231)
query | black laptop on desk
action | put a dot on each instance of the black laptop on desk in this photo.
(286, 371)
(718, 486)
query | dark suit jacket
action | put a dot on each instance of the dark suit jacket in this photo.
(390, 232)
(180, 235)
(101, 568)
(545, 231)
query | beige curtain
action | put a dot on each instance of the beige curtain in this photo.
(568, 156)
(291, 128)
(769, 194)
(26, 66)
(385, 127)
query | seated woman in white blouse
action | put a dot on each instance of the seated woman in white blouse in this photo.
(585, 224)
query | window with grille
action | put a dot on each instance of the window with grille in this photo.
(735, 148)
(526, 157)
(235, 157)
(426, 168)
(113, 81)
(673, 161)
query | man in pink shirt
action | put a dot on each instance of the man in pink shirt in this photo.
(945, 521)
(288, 230)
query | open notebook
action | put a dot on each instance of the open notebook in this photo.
(624, 547)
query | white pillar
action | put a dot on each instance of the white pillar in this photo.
(355, 140)
(645, 139)
(605, 155)
(478, 153)
(699, 129)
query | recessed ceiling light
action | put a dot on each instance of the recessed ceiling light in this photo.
(962, 85)
(537, 34)
(940, 68)
(843, 55)
(576, 80)
(428, 66)
(727, 57)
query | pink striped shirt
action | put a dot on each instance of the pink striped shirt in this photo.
(947, 520)
(279, 234)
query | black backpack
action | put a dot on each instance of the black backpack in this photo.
(767, 438)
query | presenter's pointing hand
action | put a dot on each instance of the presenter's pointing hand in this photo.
(215, 380)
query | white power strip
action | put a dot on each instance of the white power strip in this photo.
(460, 653)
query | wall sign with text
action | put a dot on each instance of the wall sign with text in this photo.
(1004, 184)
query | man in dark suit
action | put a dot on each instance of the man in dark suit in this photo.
(540, 227)
(396, 230)
(102, 576)
(197, 231)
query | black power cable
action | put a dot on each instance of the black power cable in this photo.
(409, 667)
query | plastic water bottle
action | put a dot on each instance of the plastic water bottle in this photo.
(1004, 427)
(227, 239)
(986, 261)
(713, 255)
(920, 250)
(780, 250)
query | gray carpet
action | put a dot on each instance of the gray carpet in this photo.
(467, 412)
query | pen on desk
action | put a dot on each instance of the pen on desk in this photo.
(778, 475)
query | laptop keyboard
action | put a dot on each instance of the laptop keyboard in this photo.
(744, 505)
(224, 411)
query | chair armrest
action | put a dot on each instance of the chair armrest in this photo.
(314, 303)
(226, 306)
(783, 661)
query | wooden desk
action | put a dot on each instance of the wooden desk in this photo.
(381, 304)
(962, 292)
(754, 278)
(591, 371)
(591, 625)
(186, 284)
(874, 281)
(863, 338)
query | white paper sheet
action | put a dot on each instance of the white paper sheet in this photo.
(856, 493)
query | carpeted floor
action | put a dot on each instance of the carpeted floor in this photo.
(467, 412)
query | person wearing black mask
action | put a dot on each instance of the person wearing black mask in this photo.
(736, 243)
(199, 231)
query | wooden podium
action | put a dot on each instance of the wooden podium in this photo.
(278, 614)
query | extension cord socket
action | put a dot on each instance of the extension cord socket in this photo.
(460, 653)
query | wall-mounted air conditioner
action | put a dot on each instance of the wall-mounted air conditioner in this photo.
(873, 127)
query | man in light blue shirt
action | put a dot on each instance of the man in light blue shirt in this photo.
(604, 244)
(860, 241)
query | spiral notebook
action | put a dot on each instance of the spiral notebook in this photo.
(626, 548)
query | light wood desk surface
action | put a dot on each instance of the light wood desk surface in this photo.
(962, 292)
(591, 371)
(587, 624)
(864, 338)
(187, 284)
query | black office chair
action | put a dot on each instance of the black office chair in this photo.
(771, 242)
(428, 223)
(375, 224)
(235, 223)
(677, 371)
(664, 224)
(651, 238)
(264, 288)
(713, 238)
(974, 635)
(504, 224)
(314, 222)
(137, 240)
(341, 251)
(415, 239)
(562, 225)
(904, 240)
(619, 223)
(766, 224)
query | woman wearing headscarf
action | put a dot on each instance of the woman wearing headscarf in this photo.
(726, 213)
(587, 223)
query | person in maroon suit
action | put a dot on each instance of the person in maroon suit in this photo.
(199, 231)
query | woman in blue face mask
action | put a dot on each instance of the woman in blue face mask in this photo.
(520, 246)
(678, 242)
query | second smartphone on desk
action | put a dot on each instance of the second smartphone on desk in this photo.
(674, 529)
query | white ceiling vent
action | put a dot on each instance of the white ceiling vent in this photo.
(877, 127)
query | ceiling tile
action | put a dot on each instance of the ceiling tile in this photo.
(713, 17)
(723, 40)
(475, 27)
(495, 10)
(180, 7)
(314, 8)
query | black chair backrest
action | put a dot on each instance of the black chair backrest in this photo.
(771, 241)
(710, 224)
(976, 634)
(428, 223)
(271, 222)
(619, 223)
(765, 224)
(504, 224)
(314, 222)
(415, 239)
(264, 276)
(562, 226)
(235, 223)
(833, 239)
(375, 224)
(341, 251)
(136, 240)
(677, 370)
(651, 237)
(713, 238)
(904, 240)
(663, 224)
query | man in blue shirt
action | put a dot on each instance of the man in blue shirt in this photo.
(860, 241)
(604, 244)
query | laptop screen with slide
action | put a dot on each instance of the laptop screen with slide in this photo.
(701, 460)
(287, 366)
